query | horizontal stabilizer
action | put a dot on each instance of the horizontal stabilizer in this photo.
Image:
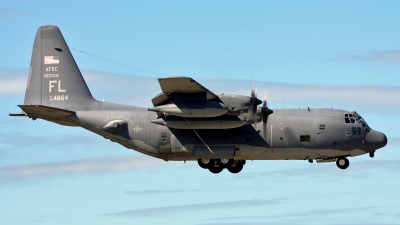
(41, 110)
(60, 116)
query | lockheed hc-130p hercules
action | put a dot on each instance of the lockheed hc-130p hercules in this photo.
(188, 121)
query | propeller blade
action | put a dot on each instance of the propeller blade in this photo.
(264, 118)
(265, 112)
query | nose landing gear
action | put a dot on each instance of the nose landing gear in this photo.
(372, 154)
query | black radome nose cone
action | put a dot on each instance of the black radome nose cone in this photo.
(376, 139)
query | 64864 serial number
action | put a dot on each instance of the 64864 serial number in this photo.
(58, 97)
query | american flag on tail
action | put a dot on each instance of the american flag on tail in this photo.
(51, 60)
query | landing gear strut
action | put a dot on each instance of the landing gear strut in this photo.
(342, 163)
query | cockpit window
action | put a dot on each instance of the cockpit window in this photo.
(354, 118)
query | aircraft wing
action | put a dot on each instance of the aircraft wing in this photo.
(180, 85)
(186, 104)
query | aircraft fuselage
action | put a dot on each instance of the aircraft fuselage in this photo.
(190, 122)
(288, 134)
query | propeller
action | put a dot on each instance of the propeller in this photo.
(254, 102)
(265, 112)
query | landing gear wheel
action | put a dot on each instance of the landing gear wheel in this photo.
(235, 167)
(372, 154)
(342, 163)
(215, 166)
(226, 162)
(203, 163)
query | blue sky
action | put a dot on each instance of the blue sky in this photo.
(337, 54)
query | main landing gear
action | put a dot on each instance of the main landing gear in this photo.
(342, 163)
(217, 165)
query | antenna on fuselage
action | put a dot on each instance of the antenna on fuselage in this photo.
(199, 136)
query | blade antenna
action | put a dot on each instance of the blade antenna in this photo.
(199, 136)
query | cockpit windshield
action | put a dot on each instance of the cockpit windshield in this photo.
(355, 118)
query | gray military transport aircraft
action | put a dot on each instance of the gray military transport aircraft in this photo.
(188, 121)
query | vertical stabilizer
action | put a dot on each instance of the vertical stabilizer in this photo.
(54, 78)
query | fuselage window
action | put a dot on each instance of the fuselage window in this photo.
(322, 126)
(356, 130)
(304, 138)
(164, 137)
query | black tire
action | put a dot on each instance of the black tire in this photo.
(235, 167)
(342, 163)
(215, 166)
(226, 165)
(202, 164)
(371, 154)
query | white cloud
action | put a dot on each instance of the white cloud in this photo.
(7, 15)
(382, 56)
(106, 164)
(160, 191)
(350, 97)
(320, 172)
(139, 91)
(13, 81)
(158, 211)
(394, 141)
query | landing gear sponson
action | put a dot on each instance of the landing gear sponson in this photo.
(217, 165)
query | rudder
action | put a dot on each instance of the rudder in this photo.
(54, 78)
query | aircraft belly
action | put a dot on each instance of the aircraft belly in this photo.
(301, 154)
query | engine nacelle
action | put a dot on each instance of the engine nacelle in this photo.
(238, 104)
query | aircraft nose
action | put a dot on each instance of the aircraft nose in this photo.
(376, 139)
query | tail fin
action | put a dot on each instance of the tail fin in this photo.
(54, 78)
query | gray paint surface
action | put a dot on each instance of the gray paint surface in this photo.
(57, 92)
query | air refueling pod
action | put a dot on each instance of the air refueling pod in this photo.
(220, 122)
(192, 109)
